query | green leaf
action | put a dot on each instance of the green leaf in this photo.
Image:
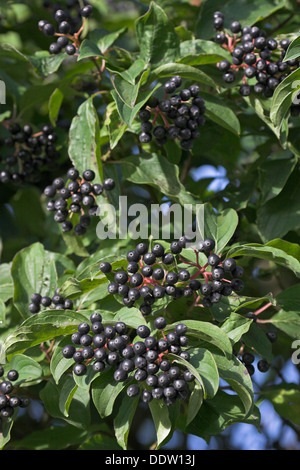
(284, 97)
(220, 227)
(150, 29)
(236, 326)
(131, 74)
(293, 51)
(67, 393)
(52, 438)
(273, 175)
(75, 244)
(199, 51)
(158, 172)
(116, 129)
(84, 148)
(273, 218)
(185, 71)
(79, 410)
(285, 399)
(161, 419)
(218, 413)
(59, 365)
(46, 64)
(278, 251)
(29, 370)
(88, 49)
(106, 41)
(100, 442)
(6, 427)
(33, 271)
(287, 321)
(289, 299)
(263, 113)
(105, 391)
(44, 326)
(207, 333)
(128, 110)
(188, 365)
(247, 12)
(203, 361)
(219, 112)
(257, 340)
(236, 375)
(55, 102)
(2, 313)
(6, 282)
(123, 419)
(43, 63)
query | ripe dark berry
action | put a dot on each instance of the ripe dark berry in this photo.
(149, 258)
(168, 258)
(143, 331)
(272, 336)
(80, 369)
(88, 175)
(248, 358)
(237, 285)
(86, 11)
(120, 375)
(121, 277)
(109, 184)
(70, 49)
(172, 278)
(218, 23)
(263, 366)
(229, 264)
(54, 48)
(213, 260)
(68, 351)
(33, 308)
(235, 27)
(245, 90)
(158, 274)
(96, 317)
(158, 292)
(6, 412)
(98, 366)
(145, 137)
(133, 390)
(158, 250)
(48, 29)
(133, 255)
(284, 43)
(160, 323)
(136, 280)
(170, 87)
(6, 387)
(12, 375)
(105, 267)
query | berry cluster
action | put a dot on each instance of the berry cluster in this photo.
(32, 153)
(140, 357)
(77, 196)
(8, 400)
(248, 358)
(260, 58)
(147, 276)
(181, 114)
(162, 378)
(69, 25)
(57, 302)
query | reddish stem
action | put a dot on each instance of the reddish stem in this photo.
(262, 309)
